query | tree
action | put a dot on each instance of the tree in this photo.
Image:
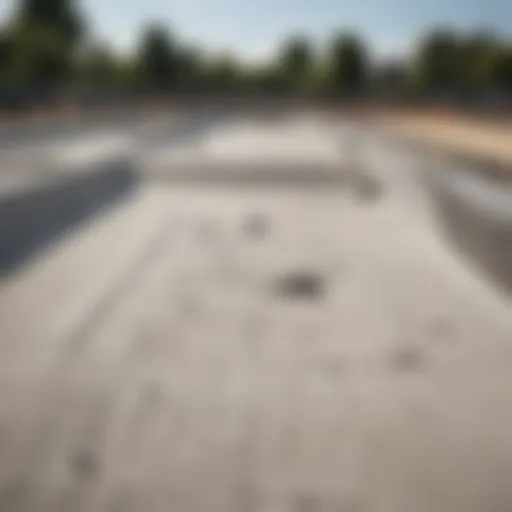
(5, 51)
(222, 74)
(268, 79)
(38, 47)
(472, 61)
(188, 68)
(127, 75)
(437, 62)
(296, 62)
(58, 16)
(158, 61)
(391, 78)
(39, 57)
(348, 66)
(500, 69)
(98, 67)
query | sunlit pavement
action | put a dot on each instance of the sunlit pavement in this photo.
(266, 318)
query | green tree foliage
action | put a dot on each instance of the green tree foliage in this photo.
(98, 66)
(296, 63)
(470, 65)
(222, 74)
(501, 69)
(42, 44)
(473, 62)
(391, 79)
(437, 62)
(157, 58)
(58, 16)
(5, 53)
(38, 56)
(189, 68)
(348, 67)
(269, 79)
(37, 45)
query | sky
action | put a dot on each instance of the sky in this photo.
(253, 29)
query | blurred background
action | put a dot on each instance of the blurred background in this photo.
(65, 53)
(255, 256)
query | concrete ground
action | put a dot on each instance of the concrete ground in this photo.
(254, 315)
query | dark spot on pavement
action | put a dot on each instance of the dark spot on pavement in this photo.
(14, 495)
(84, 464)
(407, 359)
(441, 329)
(368, 188)
(316, 502)
(301, 285)
(306, 503)
(256, 226)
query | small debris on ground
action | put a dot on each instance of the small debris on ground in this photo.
(301, 284)
(407, 359)
(256, 226)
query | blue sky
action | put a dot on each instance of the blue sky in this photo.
(253, 28)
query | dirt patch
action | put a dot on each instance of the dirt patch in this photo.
(407, 359)
(256, 226)
(367, 188)
(302, 284)
(480, 142)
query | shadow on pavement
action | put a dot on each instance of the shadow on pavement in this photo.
(18, 134)
(252, 175)
(35, 218)
(479, 223)
(189, 131)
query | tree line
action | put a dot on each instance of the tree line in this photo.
(46, 45)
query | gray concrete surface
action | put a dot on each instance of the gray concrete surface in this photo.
(282, 327)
